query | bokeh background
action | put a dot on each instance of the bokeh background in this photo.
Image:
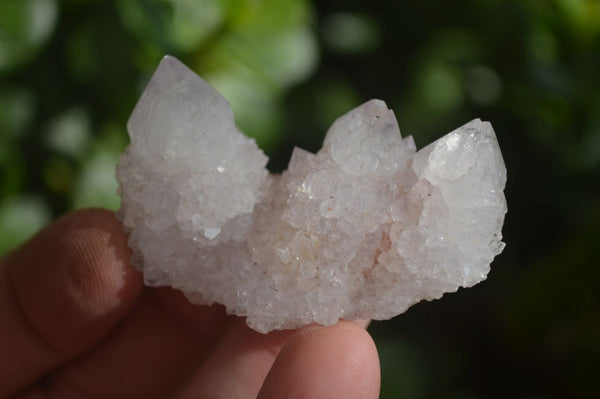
(71, 71)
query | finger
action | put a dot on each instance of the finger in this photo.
(325, 362)
(61, 293)
(238, 365)
(149, 356)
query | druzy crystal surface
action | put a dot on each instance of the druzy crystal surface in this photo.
(364, 228)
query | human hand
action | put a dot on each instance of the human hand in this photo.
(77, 322)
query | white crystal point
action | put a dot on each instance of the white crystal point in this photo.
(189, 179)
(363, 229)
(174, 110)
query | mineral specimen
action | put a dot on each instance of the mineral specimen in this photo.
(363, 229)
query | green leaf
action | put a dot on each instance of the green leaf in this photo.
(24, 26)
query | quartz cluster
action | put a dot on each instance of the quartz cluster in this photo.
(364, 228)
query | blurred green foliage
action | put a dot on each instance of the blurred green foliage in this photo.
(71, 71)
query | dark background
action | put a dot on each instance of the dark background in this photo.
(71, 71)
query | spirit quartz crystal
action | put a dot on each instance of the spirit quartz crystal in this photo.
(365, 228)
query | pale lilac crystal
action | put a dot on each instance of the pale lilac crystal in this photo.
(365, 228)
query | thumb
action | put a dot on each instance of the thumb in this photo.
(61, 293)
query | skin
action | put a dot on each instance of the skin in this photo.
(77, 322)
